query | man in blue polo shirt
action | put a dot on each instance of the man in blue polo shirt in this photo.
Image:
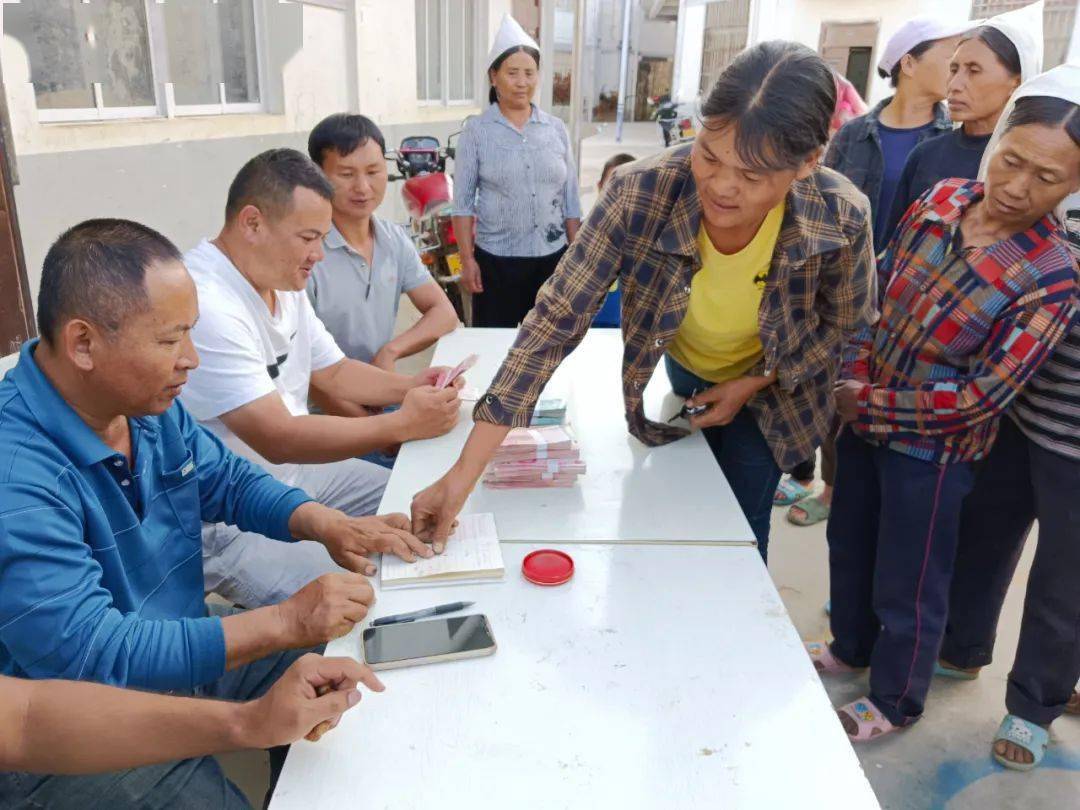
(104, 484)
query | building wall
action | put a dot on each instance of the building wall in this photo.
(173, 173)
(801, 20)
(655, 38)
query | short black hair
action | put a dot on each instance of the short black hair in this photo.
(1003, 47)
(1049, 111)
(269, 179)
(97, 271)
(780, 96)
(915, 53)
(615, 161)
(343, 133)
(535, 54)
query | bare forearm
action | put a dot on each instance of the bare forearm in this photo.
(463, 232)
(572, 226)
(362, 383)
(69, 727)
(435, 323)
(484, 439)
(335, 406)
(320, 439)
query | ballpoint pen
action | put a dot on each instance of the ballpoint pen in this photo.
(438, 610)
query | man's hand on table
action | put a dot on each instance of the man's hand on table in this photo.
(427, 411)
(430, 376)
(305, 702)
(324, 609)
(350, 539)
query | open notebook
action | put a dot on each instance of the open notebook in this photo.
(471, 555)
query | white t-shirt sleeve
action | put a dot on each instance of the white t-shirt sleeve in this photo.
(324, 349)
(232, 371)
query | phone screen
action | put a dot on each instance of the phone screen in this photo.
(426, 639)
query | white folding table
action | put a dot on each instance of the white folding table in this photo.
(658, 678)
(630, 494)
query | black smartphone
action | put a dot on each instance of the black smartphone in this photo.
(409, 644)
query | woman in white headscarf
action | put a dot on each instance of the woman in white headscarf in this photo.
(978, 289)
(989, 64)
(515, 180)
(1033, 472)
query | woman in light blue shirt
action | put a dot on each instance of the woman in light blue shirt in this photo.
(515, 179)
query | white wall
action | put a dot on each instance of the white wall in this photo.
(318, 60)
(172, 174)
(801, 20)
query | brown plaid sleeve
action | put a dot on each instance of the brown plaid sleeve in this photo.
(563, 313)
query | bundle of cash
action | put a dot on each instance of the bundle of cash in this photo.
(536, 457)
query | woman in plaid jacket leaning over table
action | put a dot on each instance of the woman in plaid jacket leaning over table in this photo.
(742, 263)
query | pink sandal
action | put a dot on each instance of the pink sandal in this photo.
(826, 663)
(863, 722)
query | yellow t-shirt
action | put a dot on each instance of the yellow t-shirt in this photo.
(718, 339)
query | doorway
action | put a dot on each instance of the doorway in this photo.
(848, 48)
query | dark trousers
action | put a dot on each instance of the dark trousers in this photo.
(743, 455)
(893, 531)
(510, 286)
(805, 470)
(1018, 483)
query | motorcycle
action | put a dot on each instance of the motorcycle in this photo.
(427, 192)
(676, 121)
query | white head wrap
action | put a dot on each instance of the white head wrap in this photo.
(1024, 28)
(1061, 82)
(512, 35)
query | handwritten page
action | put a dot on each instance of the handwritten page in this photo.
(471, 553)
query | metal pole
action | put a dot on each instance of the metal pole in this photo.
(577, 82)
(624, 59)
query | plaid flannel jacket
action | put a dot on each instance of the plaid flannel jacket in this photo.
(962, 330)
(643, 232)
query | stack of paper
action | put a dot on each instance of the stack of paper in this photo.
(550, 411)
(472, 554)
(536, 457)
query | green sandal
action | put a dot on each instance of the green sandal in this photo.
(954, 673)
(790, 491)
(816, 512)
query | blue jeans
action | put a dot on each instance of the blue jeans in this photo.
(893, 533)
(190, 784)
(743, 455)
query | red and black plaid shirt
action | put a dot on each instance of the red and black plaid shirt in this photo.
(962, 329)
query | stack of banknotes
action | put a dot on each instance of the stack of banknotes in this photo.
(546, 456)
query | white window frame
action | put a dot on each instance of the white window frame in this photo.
(444, 61)
(165, 105)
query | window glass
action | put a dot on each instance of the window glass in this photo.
(72, 44)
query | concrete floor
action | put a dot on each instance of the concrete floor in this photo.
(942, 763)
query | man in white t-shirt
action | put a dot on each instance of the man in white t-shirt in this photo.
(261, 348)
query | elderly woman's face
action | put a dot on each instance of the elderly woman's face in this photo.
(1032, 170)
(516, 79)
(979, 85)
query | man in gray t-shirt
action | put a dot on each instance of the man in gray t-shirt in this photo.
(370, 262)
